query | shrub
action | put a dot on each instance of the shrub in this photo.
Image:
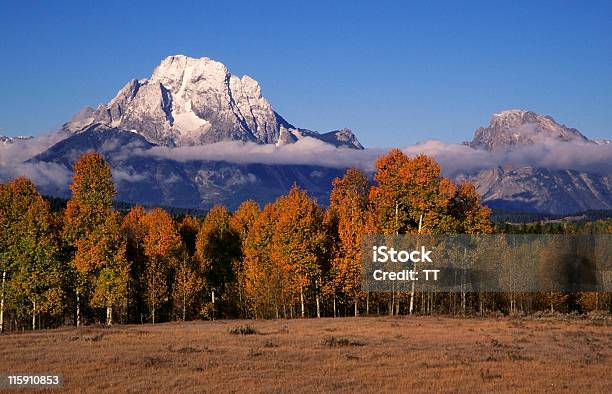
(242, 330)
(341, 341)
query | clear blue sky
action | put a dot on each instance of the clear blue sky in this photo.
(392, 72)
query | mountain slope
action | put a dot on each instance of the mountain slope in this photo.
(150, 180)
(189, 101)
(527, 188)
(514, 128)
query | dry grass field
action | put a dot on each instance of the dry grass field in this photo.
(421, 354)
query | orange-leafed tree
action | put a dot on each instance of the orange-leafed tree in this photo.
(101, 258)
(93, 191)
(473, 217)
(241, 222)
(217, 247)
(390, 211)
(162, 249)
(188, 282)
(346, 218)
(299, 245)
(263, 279)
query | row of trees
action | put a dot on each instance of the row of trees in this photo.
(90, 262)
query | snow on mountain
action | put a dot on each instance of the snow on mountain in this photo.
(193, 101)
(525, 187)
(512, 128)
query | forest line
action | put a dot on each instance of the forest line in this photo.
(292, 258)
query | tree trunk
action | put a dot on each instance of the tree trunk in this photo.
(317, 300)
(356, 309)
(367, 303)
(78, 309)
(411, 307)
(153, 315)
(109, 315)
(33, 315)
(213, 304)
(552, 308)
(184, 306)
(2, 303)
(302, 300)
(334, 305)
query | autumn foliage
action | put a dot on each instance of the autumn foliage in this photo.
(290, 258)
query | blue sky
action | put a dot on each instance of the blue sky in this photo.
(396, 73)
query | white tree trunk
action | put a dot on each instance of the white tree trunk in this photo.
(317, 300)
(33, 315)
(334, 305)
(302, 300)
(78, 311)
(109, 315)
(2, 303)
(367, 303)
(356, 308)
(411, 308)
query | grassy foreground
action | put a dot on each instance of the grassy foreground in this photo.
(344, 354)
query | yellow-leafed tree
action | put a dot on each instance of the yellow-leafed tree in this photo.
(162, 249)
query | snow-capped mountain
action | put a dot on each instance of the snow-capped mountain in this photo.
(155, 134)
(512, 128)
(528, 188)
(191, 101)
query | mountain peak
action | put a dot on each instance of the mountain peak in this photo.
(515, 127)
(194, 101)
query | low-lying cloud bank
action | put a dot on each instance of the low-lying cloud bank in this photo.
(453, 158)
(13, 157)
(307, 151)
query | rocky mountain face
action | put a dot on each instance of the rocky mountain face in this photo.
(529, 189)
(147, 179)
(512, 128)
(526, 188)
(189, 101)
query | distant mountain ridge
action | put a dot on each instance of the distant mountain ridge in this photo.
(512, 128)
(530, 189)
(194, 101)
(188, 103)
(195, 184)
